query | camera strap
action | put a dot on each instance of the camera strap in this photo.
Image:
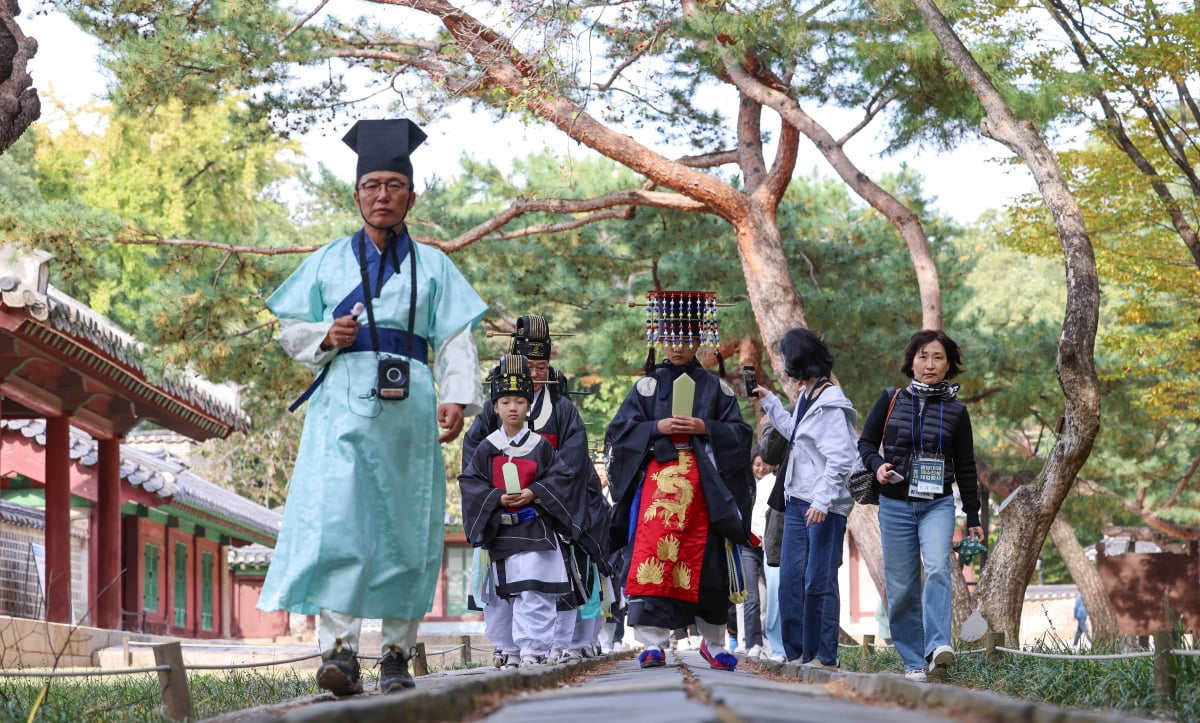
(390, 246)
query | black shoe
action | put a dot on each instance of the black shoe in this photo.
(393, 672)
(339, 673)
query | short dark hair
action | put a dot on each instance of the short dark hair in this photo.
(805, 355)
(925, 336)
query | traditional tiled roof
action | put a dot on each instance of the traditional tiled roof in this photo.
(21, 516)
(158, 471)
(76, 331)
(250, 556)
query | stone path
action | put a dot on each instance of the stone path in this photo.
(689, 691)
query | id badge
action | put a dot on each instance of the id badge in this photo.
(927, 477)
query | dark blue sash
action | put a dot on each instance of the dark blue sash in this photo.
(392, 341)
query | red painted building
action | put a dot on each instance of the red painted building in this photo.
(157, 535)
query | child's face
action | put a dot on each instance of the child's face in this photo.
(680, 354)
(512, 411)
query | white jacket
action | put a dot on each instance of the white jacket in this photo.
(824, 448)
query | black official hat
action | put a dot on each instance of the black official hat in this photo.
(511, 378)
(384, 145)
(532, 338)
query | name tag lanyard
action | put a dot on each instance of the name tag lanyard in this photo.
(928, 476)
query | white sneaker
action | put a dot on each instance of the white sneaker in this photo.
(755, 652)
(941, 660)
(917, 676)
(683, 644)
(553, 657)
(570, 656)
(532, 661)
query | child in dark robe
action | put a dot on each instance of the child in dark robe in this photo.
(682, 487)
(518, 498)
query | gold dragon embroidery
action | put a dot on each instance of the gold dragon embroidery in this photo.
(673, 493)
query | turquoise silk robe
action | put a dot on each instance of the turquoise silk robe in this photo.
(362, 528)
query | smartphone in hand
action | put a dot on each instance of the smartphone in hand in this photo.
(894, 476)
(750, 379)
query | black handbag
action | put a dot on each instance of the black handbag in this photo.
(864, 488)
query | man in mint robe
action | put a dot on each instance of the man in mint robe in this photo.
(362, 528)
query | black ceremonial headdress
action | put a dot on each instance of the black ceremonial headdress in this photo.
(532, 338)
(384, 145)
(511, 378)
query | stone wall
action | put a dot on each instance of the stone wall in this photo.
(38, 644)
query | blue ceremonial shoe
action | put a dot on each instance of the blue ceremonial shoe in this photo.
(652, 657)
(720, 661)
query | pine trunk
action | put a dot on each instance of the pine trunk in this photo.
(1026, 520)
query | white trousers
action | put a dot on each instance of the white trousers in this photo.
(533, 617)
(333, 626)
(714, 635)
(586, 631)
(497, 625)
(564, 628)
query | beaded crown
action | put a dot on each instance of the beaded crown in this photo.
(674, 318)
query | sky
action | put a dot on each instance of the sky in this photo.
(963, 183)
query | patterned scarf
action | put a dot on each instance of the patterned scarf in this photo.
(942, 390)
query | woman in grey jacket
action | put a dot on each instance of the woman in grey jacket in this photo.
(822, 435)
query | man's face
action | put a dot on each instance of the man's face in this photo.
(539, 369)
(384, 197)
(680, 354)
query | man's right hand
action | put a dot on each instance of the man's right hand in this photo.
(341, 333)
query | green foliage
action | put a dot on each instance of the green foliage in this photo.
(1121, 685)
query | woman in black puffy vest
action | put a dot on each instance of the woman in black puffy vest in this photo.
(927, 447)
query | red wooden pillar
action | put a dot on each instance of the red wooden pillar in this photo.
(58, 519)
(108, 519)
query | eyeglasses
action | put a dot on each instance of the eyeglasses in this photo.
(372, 188)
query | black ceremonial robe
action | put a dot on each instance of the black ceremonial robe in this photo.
(561, 507)
(555, 417)
(723, 461)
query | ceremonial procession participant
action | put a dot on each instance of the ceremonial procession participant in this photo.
(519, 498)
(363, 525)
(682, 488)
(555, 418)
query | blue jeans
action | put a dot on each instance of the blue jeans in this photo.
(752, 567)
(772, 628)
(916, 534)
(809, 602)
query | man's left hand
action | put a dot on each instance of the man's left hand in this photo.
(450, 418)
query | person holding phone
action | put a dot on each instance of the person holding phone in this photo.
(928, 446)
(821, 430)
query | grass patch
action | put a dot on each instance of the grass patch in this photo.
(129, 698)
(1125, 685)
